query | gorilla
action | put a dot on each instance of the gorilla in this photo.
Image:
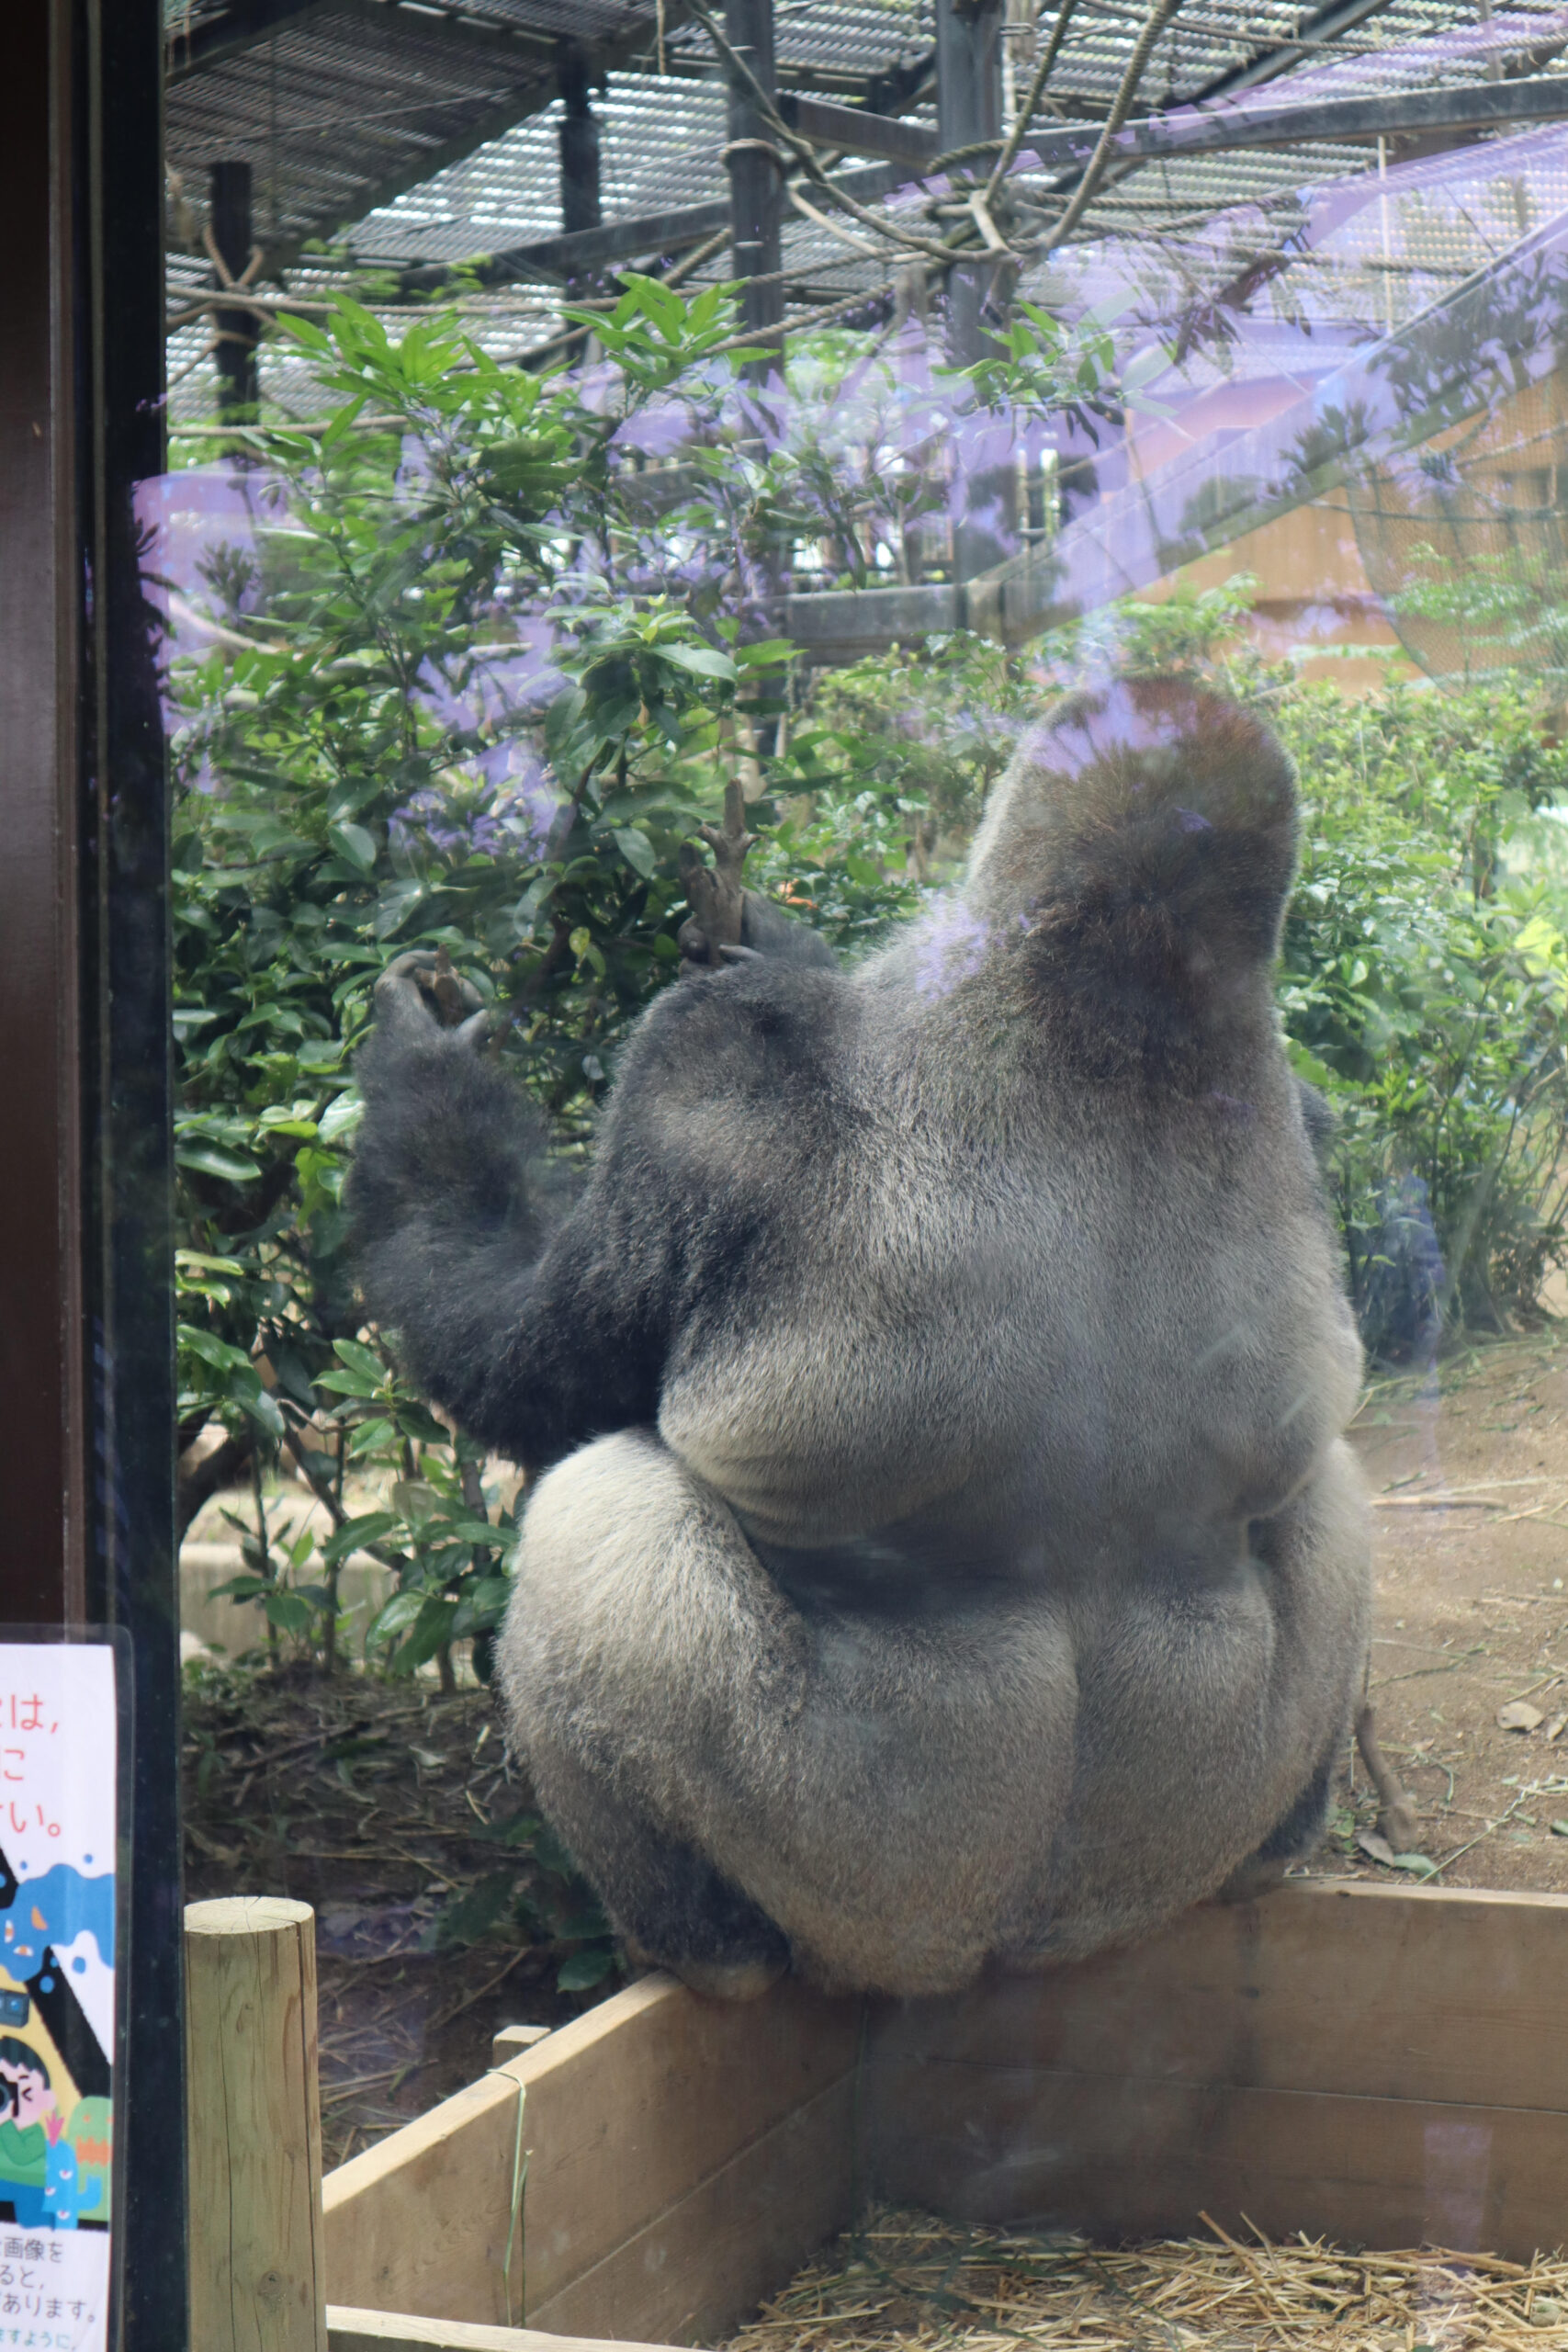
(942, 1547)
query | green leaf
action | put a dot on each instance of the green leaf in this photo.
(701, 659)
(638, 851)
(288, 1611)
(211, 1159)
(378, 1436)
(393, 1618)
(241, 1588)
(341, 1116)
(357, 1535)
(362, 1360)
(220, 1353)
(582, 1970)
(355, 843)
(470, 1916)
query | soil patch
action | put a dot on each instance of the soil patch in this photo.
(1467, 1468)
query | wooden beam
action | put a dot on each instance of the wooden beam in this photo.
(636, 2120)
(359, 2331)
(855, 130)
(1382, 2065)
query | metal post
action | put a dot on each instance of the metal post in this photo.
(755, 180)
(970, 108)
(580, 204)
(87, 1338)
(239, 381)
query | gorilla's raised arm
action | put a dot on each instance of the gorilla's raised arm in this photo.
(534, 1308)
(529, 1329)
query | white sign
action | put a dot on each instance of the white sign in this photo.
(58, 1751)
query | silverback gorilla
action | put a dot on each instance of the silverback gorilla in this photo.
(943, 1549)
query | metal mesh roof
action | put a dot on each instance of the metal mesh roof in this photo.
(403, 135)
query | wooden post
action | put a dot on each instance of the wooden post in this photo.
(257, 2281)
(511, 2041)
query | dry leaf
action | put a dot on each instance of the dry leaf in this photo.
(1556, 1728)
(1378, 1847)
(1520, 1715)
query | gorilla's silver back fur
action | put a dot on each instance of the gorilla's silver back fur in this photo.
(989, 1577)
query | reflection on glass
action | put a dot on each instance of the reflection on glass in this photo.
(484, 603)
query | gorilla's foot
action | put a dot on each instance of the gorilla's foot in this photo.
(738, 1980)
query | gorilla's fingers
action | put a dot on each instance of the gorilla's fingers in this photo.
(693, 941)
(741, 955)
(455, 998)
(399, 998)
(422, 986)
(476, 1028)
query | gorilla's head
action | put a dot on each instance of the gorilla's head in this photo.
(1151, 804)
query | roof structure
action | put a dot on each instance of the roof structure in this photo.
(394, 135)
(1340, 197)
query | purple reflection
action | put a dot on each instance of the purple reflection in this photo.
(950, 948)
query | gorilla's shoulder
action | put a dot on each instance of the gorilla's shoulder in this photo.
(763, 1029)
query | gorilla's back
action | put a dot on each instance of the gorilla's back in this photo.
(998, 1325)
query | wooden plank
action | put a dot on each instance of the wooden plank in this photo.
(255, 2131)
(703, 2265)
(1394, 1992)
(627, 2111)
(354, 2330)
(1140, 2159)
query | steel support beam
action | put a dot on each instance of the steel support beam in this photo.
(581, 205)
(87, 1328)
(756, 174)
(969, 110)
(1482, 106)
(238, 331)
(1221, 129)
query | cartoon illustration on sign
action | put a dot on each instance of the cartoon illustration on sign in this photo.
(57, 1990)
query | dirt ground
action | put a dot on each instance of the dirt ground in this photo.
(1469, 1475)
(385, 1805)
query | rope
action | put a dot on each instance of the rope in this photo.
(752, 147)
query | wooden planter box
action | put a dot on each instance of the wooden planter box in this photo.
(1382, 2065)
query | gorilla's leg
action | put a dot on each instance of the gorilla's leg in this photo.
(587, 1664)
(1209, 1723)
(669, 1905)
(736, 1771)
(1291, 1840)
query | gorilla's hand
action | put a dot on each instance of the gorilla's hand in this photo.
(421, 987)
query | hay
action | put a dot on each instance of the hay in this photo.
(904, 2280)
